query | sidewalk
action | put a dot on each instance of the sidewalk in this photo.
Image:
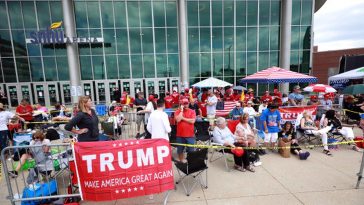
(319, 180)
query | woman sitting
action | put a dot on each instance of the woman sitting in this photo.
(222, 135)
(246, 133)
(332, 120)
(288, 133)
(308, 125)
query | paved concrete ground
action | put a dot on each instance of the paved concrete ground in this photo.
(319, 180)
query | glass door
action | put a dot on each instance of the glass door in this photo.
(113, 91)
(174, 85)
(88, 89)
(39, 90)
(162, 88)
(26, 92)
(66, 98)
(151, 87)
(136, 87)
(53, 96)
(100, 92)
(14, 95)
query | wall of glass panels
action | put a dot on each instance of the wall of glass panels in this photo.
(301, 35)
(230, 39)
(140, 39)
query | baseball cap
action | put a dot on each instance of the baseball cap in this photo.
(296, 87)
(151, 97)
(312, 97)
(184, 101)
(250, 102)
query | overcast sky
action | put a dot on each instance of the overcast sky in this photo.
(339, 24)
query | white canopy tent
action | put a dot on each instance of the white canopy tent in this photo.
(345, 77)
(211, 82)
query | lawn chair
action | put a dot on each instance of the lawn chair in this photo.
(202, 132)
(195, 166)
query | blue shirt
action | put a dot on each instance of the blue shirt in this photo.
(236, 112)
(295, 96)
(272, 119)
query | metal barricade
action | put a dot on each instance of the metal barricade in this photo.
(44, 173)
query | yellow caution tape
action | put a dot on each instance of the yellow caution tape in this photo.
(203, 146)
(346, 110)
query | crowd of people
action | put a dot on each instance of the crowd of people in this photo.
(180, 111)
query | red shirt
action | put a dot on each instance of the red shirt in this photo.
(168, 101)
(267, 97)
(24, 109)
(278, 94)
(229, 98)
(185, 129)
(175, 97)
(204, 97)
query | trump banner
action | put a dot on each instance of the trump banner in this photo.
(125, 168)
(291, 113)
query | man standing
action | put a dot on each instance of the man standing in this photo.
(185, 119)
(193, 105)
(295, 98)
(140, 103)
(158, 123)
(211, 106)
(168, 101)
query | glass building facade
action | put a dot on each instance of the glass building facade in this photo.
(227, 39)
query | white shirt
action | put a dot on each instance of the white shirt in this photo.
(262, 107)
(222, 136)
(211, 109)
(246, 130)
(158, 125)
(5, 116)
(250, 111)
(149, 108)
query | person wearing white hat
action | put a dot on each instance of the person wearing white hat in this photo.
(252, 113)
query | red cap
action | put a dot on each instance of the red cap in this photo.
(187, 90)
(151, 98)
(184, 101)
(167, 93)
(327, 95)
(313, 97)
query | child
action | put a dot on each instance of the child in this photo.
(271, 118)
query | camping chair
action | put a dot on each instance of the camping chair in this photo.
(195, 166)
(202, 132)
(231, 124)
(334, 133)
(301, 134)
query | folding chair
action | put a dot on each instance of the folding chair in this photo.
(301, 134)
(202, 132)
(195, 166)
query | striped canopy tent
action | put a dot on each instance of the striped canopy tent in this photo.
(278, 75)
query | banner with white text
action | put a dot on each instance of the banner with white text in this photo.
(122, 169)
(291, 113)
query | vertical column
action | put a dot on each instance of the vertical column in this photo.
(182, 32)
(72, 49)
(285, 50)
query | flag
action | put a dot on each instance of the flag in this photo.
(128, 100)
(228, 106)
(242, 97)
(56, 25)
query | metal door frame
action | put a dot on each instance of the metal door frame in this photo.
(108, 92)
(57, 92)
(97, 99)
(46, 92)
(61, 83)
(132, 86)
(18, 92)
(92, 89)
(171, 85)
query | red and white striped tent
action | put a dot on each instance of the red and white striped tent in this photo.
(278, 75)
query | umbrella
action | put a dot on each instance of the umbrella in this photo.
(319, 88)
(211, 82)
(354, 89)
(278, 75)
(239, 87)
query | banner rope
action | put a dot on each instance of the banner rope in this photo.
(203, 146)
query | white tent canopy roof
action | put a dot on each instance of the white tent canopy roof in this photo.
(352, 74)
(211, 82)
